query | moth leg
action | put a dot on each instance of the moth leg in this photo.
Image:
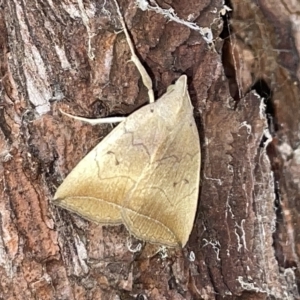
(145, 76)
(95, 121)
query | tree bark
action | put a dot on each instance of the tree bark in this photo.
(245, 90)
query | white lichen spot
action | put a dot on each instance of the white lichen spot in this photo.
(163, 252)
(225, 10)
(192, 256)
(248, 127)
(137, 248)
(142, 4)
(5, 156)
(215, 245)
(219, 181)
(191, 17)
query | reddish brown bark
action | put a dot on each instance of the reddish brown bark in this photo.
(245, 238)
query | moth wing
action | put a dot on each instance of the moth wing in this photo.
(145, 173)
(161, 206)
(95, 189)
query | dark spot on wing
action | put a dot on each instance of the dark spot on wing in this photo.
(113, 153)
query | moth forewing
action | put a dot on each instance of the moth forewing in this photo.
(161, 206)
(95, 189)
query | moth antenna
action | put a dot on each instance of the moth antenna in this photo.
(145, 76)
(107, 120)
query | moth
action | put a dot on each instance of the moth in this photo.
(145, 173)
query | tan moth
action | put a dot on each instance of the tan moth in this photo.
(145, 174)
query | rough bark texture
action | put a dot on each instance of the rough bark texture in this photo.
(67, 55)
